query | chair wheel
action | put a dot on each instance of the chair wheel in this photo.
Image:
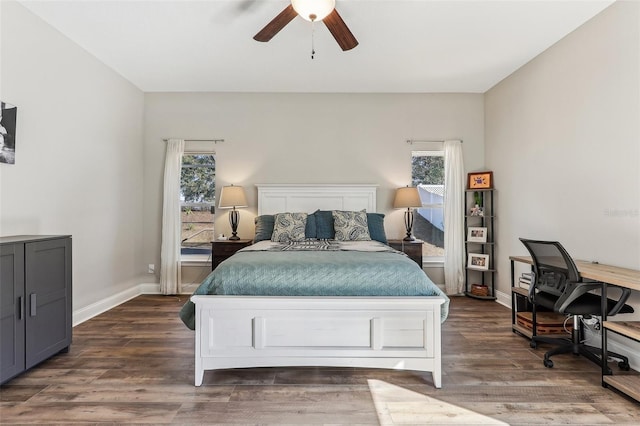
(624, 366)
(548, 363)
(533, 344)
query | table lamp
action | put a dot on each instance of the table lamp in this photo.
(407, 197)
(230, 198)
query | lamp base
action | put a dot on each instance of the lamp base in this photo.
(234, 219)
(408, 225)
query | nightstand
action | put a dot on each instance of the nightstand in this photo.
(224, 249)
(413, 249)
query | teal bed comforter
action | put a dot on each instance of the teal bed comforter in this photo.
(323, 269)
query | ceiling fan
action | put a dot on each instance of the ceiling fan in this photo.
(311, 10)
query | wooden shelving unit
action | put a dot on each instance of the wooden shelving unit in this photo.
(519, 298)
(628, 383)
(518, 294)
(485, 277)
(630, 329)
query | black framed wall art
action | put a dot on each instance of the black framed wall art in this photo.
(8, 115)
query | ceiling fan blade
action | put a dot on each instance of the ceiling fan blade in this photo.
(278, 23)
(340, 31)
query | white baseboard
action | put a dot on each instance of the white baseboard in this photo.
(83, 314)
(149, 288)
(503, 299)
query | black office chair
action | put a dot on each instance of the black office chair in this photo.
(557, 285)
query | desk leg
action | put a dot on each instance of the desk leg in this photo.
(603, 333)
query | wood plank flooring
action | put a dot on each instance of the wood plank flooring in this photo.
(134, 364)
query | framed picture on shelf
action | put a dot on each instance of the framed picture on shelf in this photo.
(478, 261)
(480, 180)
(477, 234)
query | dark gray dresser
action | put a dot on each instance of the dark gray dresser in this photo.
(35, 300)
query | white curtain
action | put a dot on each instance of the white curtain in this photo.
(170, 252)
(454, 184)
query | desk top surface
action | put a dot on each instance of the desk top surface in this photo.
(621, 277)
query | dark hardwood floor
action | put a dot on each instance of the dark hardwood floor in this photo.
(134, 364)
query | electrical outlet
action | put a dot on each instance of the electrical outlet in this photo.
(152, 268)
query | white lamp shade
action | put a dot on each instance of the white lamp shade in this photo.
(232, 196)
(407, 197)
(320, 9)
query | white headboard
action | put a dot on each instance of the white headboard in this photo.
(279, 198)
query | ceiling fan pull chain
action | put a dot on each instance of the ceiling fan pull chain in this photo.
(313, 49)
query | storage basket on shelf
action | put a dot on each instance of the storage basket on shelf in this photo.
(479, 290)
(548, 322)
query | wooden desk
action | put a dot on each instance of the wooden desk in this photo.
(619, 277)
(614, 275)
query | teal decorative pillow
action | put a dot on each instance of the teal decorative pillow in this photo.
(324, 225)
(264, 227)
(375, 221)
(351, 226)
(289, 227)
(310, 230)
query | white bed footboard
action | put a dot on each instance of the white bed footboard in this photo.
(373, 332)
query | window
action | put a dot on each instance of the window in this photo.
(197, 203)
(427, 174)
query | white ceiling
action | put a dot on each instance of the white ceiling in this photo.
(405, 46)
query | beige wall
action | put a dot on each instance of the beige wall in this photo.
(305, 138)
(79, 153)
(563, 138)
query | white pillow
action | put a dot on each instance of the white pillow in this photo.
(289, 227)
(351, 226)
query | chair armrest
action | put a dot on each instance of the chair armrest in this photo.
(577, 289)
(572, 291)
(624, 296)
(621, 301)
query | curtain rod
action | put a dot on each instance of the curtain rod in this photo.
(199, 140)
(412, 141)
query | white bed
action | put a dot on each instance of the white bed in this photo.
(373, 332)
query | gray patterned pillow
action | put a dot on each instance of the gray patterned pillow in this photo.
(289, 227)
(351, 226)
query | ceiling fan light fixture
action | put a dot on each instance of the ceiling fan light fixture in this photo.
(313, 10)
